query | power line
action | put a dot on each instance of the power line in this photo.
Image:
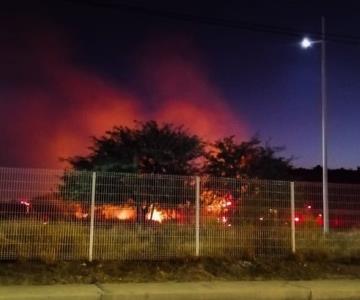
(214, 21)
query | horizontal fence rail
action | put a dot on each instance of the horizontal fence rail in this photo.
(69, 215)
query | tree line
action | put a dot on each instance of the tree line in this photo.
(150, 147)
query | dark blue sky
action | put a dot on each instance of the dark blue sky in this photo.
(265, 80)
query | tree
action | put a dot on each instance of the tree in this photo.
(244, 165)
(147, 148)
(340, 175)
(148, 151)
(246, 160)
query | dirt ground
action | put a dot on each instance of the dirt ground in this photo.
(293, 268)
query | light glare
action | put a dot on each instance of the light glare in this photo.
(306, 43)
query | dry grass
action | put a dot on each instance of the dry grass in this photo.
(32, 240)
(314, 245)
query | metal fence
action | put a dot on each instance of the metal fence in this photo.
(57, 215)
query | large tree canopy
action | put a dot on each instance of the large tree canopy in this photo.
(246, 160)
(150, 148)
(146, 148)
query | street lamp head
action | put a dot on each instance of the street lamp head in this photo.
(306, 43)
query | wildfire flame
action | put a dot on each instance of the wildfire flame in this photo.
(127, 212)
(217, 205)
(159, 215)
(214, 205)
(120, 212)
(79, 211)
(156, 215)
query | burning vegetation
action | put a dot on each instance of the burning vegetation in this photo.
(52, 207)
(217, 206)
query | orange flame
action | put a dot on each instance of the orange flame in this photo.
(156, 215)
(119, 212)
(159, 215)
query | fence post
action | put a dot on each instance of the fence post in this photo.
(197, 216)
(292, 199)
(92, 216)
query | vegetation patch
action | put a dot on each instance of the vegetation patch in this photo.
(204, 269)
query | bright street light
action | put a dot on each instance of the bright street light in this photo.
(306, 43)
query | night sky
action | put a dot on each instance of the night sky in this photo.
(69, 71)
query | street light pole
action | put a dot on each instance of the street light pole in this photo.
(306, 43)
(324, 128)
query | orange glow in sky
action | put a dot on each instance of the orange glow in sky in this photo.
(54, 115)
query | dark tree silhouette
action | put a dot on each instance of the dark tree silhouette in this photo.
(244, 165)
(340, 175)
(131, 164)
(246, 160)
(147, 148)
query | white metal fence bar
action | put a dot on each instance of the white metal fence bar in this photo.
(292, 199)
(92, 216)
(197, 216)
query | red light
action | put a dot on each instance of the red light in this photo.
(309, 206)
(297, 219)
(25, 203)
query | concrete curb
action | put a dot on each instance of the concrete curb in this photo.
(241, 290)
(332, 289)
(270, 290)
(53, 292)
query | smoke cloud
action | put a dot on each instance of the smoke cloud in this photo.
(50, 106)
